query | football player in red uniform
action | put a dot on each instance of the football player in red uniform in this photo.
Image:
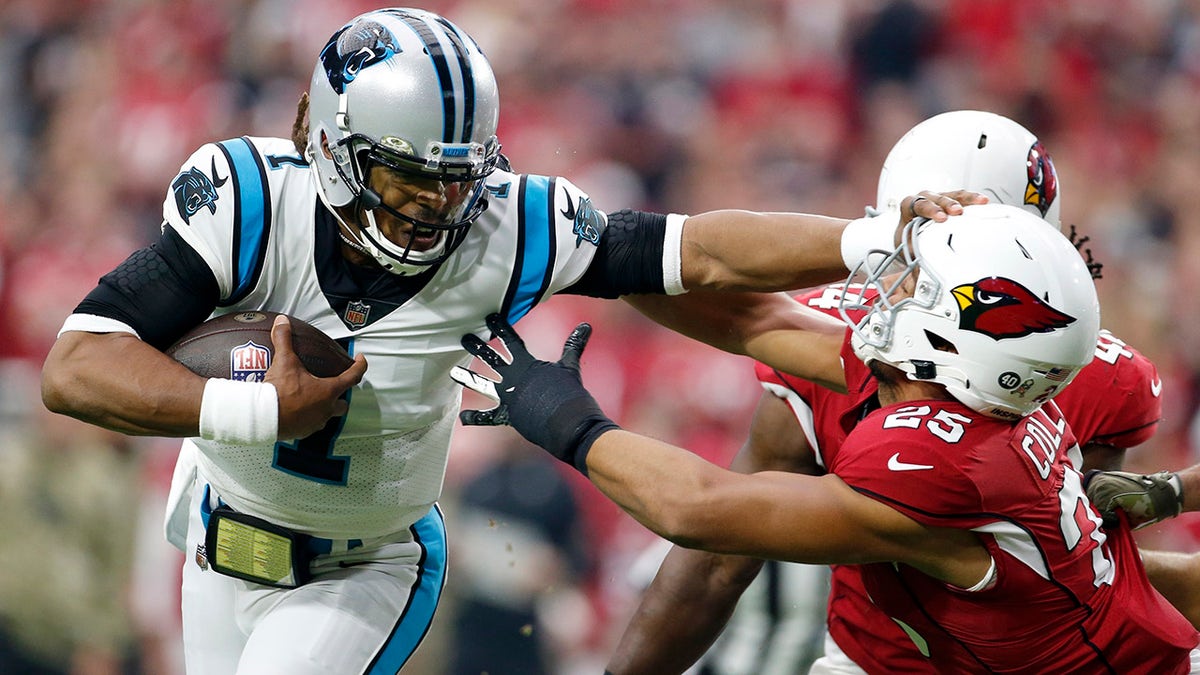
(1114, 404)
(957, 492)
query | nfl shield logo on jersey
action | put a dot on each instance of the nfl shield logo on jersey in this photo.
(356, 314)
(249, 362)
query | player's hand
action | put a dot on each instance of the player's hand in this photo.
(937, 206)
(1146, 499)
(306, 402)
(545, 402)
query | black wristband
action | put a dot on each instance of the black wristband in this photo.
(572, 443)
(591, 429)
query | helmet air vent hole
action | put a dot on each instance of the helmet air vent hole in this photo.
(940, 343)
(1023, 251)
(982, 141)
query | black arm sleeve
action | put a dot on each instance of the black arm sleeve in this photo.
(161, 291)
(629, 257)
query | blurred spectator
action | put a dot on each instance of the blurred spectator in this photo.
(519, 556)
(68, 511)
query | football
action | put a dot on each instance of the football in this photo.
(237, 346)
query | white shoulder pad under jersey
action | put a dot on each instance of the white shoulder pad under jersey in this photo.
(249, 207)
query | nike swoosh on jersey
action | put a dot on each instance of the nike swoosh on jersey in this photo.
(1156, 387)
(895, 464)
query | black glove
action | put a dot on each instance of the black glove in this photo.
(544, 401)
(1146, 499)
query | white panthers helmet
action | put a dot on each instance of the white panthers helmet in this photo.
(977, 151)
(1003, 310)
(408, 90)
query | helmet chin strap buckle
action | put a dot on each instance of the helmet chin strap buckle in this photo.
(923, 370)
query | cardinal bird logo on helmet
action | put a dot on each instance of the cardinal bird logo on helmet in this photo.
(1042, 189)
(1002, 308)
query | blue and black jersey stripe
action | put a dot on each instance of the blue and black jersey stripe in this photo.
(536, 247)
(251, 215)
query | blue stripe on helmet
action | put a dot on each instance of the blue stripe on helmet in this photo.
(442, 67)
(464, 63)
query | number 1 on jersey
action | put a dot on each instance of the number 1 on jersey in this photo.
(311, 457)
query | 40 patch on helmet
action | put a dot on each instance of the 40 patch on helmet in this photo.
(238, 346)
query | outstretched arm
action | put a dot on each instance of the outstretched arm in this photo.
(695, 592)
(694, 503)
(745, 250)
(768, 327)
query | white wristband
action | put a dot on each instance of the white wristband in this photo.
(673, 255)
(239, 413)
(867, 234)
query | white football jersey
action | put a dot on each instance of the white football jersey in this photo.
(249, 207)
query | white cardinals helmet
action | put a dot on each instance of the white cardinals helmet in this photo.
(977, 151)
(994, 304)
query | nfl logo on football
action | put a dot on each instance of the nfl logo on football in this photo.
(249, 362)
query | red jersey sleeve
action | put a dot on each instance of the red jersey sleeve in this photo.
(1116, 399)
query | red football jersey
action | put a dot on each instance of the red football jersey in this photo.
(1066, 597)
(1114, 400)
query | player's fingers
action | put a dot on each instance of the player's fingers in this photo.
(281, 338)
(481, 349)
(923, 205)
(504, 330)
(966, 197)
(353, 374)
(576, 342)
(475, 418)
(340, 407)
(475, 382)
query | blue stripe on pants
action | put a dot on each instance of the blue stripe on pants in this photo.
(430, 533)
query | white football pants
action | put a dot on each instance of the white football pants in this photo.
(364, 611)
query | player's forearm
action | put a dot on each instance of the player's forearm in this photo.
(744, 250)
(682, 612)
(769, 327)
(118, 382)
(1177, 577)
(665, 488)
(1189, 480)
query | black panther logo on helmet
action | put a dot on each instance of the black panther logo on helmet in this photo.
(353, 48)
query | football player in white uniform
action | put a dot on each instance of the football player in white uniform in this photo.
(307, 506)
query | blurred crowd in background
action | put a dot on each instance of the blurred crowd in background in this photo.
(664, 105)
